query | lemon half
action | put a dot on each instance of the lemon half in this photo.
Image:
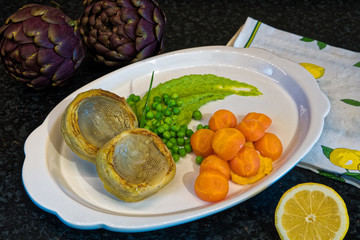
(311, 211)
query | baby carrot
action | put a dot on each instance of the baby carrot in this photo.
(246, 162)
(261, 117)
(227, 142)
(211, 186)
(222, 119)
(215, 163)
(265, 169)
(201, 142)
(252, 129)
(269, 146)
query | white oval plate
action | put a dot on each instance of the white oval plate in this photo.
(63, 184)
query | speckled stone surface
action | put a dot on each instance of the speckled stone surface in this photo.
(191, 23)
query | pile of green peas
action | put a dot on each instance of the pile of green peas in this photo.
(160, 118)
(132, 99)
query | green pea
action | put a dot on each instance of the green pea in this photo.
(147, 127)
(175, 149)
(153, 106)
(164, 140)
(176, 111)
(157, 99)
(158, 115)
(166, 99)
(197, 115)
(158, 107)
(173, 134)
(167, 135)
(171, 103)
(167, 113)
(156, 123)
(168, 120)
(149, 123)
(131, 97)
(179, 103)
(182, 152)
(149, 115)
(161, 129)
(183, 127)
(174, 96)
(180, 134)
(206, 127)
(171, 151)
(180, 141)
(199, 159)
(173, 140)
(169, 145)
(166, 96)
(188, 148)
(166, 127)
(137, 98)
(200, 126)
(175, 128)
(189, 133)
(187, 141)
(176, 157)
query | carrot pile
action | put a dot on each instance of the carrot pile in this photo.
(241, 152)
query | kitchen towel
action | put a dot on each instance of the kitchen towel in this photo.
(337, 71)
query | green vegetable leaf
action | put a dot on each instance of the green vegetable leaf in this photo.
(351, 102)
(321, 45)
(353, 175)
(331, 175)
(357, 64)
(306, 39)
(327, 151)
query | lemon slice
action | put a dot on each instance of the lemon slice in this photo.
(311, 211)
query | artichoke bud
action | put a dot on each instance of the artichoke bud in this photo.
(122, 32)
(40, 46)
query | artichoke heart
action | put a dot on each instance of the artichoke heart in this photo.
(92, 119)
(135, 165)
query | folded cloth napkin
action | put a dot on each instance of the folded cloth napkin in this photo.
(337, 152)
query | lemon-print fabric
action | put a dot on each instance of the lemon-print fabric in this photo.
(337, 71)
(315, 70)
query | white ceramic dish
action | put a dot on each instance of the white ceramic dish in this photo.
(61, 183)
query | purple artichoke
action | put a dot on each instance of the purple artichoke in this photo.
(122, 31)
(40, 46)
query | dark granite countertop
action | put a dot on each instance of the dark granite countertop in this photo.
(191, 23)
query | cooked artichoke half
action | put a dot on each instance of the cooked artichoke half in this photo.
(92, 119)
(135, 165)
